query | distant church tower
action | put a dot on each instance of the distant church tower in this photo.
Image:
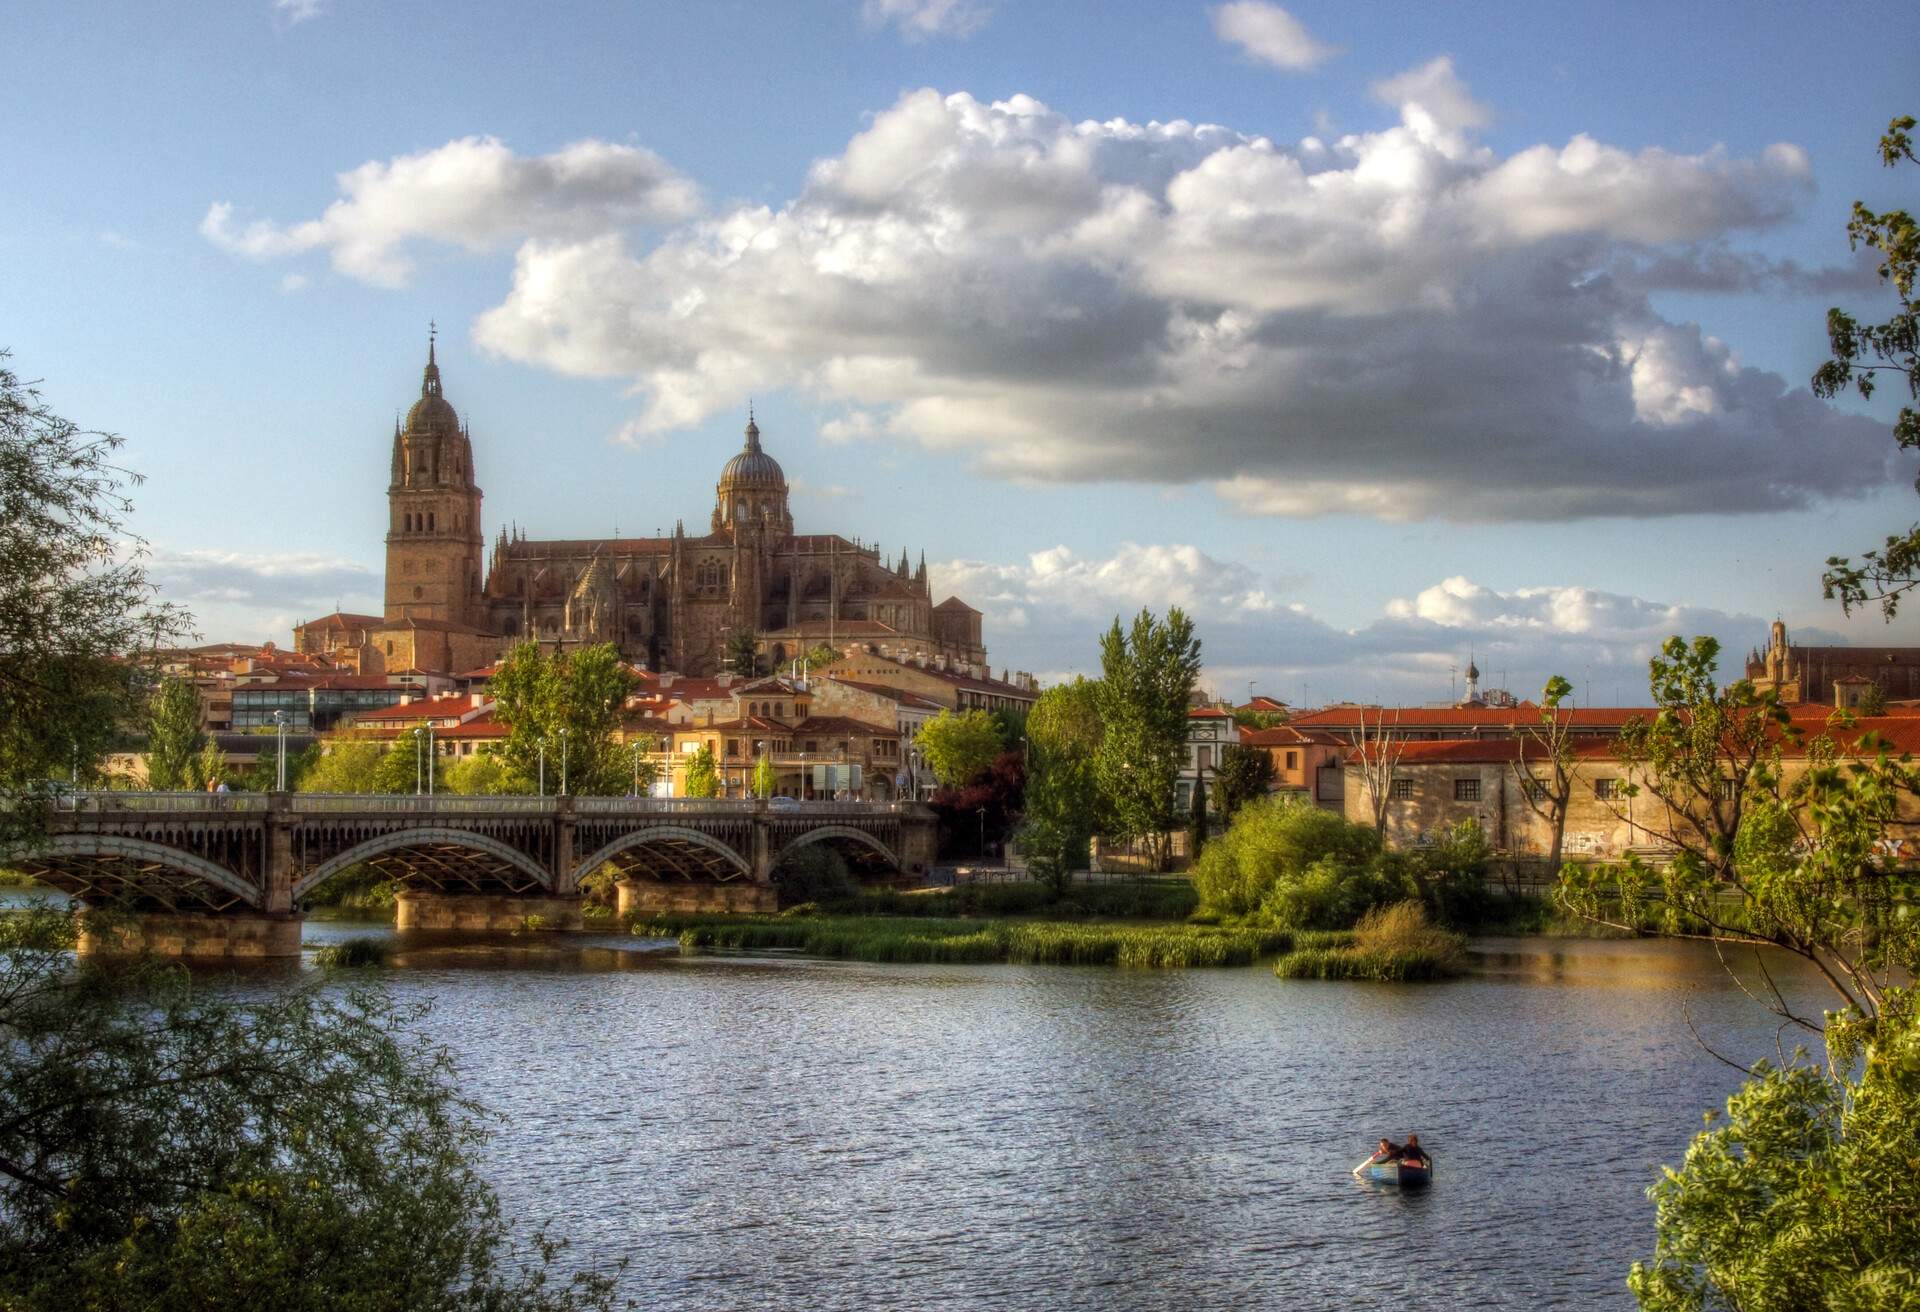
(433, 530)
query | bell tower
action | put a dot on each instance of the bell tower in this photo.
(434, 548)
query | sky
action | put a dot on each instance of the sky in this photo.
(1375, 337)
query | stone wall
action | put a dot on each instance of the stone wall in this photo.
(226, 937)
(662, 897)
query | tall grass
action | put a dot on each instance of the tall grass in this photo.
(354, 953)
(1172, 900)
(1391, 943)
(884, 939)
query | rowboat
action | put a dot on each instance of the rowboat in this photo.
(1400, 1173)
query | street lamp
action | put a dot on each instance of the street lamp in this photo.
(432, 760)
(540, 745)
(280, 732)
(563, 763)
(983, 833)
(636, 769)
(419, 736)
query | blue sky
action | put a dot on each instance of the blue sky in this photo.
(1370, 334)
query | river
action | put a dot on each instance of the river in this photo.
(784, 1132)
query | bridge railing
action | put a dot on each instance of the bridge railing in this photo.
(416, 804)
(457, 804)
(106, 802)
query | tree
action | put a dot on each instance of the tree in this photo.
(763, 779)
(1067, 718)
(349, 767)
(171, 1147)
(703, 775)
(819, 656)
(569, 707)
(1297, 865)
(1376, 752)
(1803, 1195)
(1061, 803)
(483, 774)
(1873, 701)
(1244, 774)
(1147, 675)
(959, 747)
(743, 653)
(1862, 352)
(75, 603)
(173, 734)
(1543, 766)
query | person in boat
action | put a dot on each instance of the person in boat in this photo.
(1388, 1151)
(1413, 1154)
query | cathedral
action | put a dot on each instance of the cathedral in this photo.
(668, 603)
(1838, 676)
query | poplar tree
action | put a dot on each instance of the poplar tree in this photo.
(1147, 674)
(174, 737)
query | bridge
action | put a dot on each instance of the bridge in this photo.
(228, 874)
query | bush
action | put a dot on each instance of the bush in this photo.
(816, 873)
(354, 953)
(1391, 943)
(1453, 876)
(1296, 866)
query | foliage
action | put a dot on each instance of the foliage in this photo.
(572, 705)
(1147, 674)
(1377, 751)
(1805, 1195)
(1197, 820)
(1066, 718)
(1298, 866)
(168, 1147)
(960, 747)
(1244, 774)
(742, 655)
(484, 774)
(1543, 769)
(1364, 964)
(1873, 701)
(1171, 899)
(1011, 724)
(360, 767)
(1061, 803)
(75, 601)
(354, 954)
(1861, 352)
(1251, 719)
(815, 873)
(1453, 873)
(821, 655)
(763, 778)
(703, 773)
(173, 734)
(989, 803)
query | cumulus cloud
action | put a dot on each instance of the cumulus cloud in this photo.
(474, 193)
(1052, 607)
(231, 581)
(918, 20)
(299, 11)
(1270, 34)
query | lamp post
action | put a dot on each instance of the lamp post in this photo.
(540, 746)
(563, 763)
(280, 733)
(418, 736)
(636, 769)
(432, 760)
(983, 833)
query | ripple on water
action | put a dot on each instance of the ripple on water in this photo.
(786, 1132)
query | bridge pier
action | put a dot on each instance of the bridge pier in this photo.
(226, 936)
(491, 912)
(655, 897)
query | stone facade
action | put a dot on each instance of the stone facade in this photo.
(1835, 676)
(669, 602)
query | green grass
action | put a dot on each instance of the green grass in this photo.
(1366, 964)
(1132, 900)
(928, 939)
(354, 953)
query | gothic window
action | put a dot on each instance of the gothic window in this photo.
(429, 521)
(740, 508)
(406, 567)
(417, 593)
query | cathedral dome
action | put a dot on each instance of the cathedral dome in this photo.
(432, 413)
(753, 467)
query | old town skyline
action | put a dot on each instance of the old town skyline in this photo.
(529, 225)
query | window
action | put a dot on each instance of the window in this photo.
(1609, 790)
(1205, 758)
(1534, 789)
(1400, 788)
(1727, 791)
(1293, 760)
(1466, 790)
(733, 747)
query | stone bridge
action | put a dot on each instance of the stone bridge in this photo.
(227, 874)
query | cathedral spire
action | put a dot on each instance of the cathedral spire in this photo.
(430, 378)
(753, 431)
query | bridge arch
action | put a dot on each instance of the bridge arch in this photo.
(116, 847)
(661, 834)
(825, 832)
(401, 839)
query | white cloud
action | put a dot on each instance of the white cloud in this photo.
(918, 20)
(1400, 323)
(1271, 34)
(295, 282)
(299, 11)
(473, 193)
(118, 241)
(250, 596)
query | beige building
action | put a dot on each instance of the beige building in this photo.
(1834, 676)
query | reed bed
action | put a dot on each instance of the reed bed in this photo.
(354, 954)
(955, 941)
(1391, 944)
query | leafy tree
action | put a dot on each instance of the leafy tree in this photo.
(1862, 352)
(1243, 776)
(960, 747)
(208, 767)
(484, 774)
(1197, 820)
(990, 801)
(763, 779)
(1061, 804)
(75, 601)
(264, 774)
(1011, 724)
(819, 656)
(349, 767)
(170, 1147)
(1543, 768)
(173, 733)
(1147, 675)
(1251, 719)
(570, 704)
(1804, 1195)
(703, 774)
(1067, 718)
(742, 654)
(1377, 748)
